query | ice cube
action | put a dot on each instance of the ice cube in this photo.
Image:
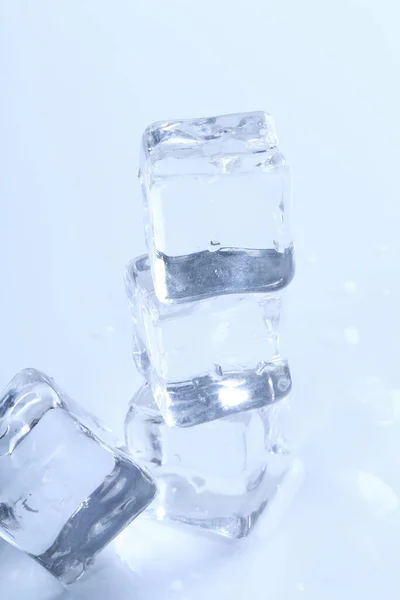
(220, 476)
(216, 194)
(209, 358)
(64, 494)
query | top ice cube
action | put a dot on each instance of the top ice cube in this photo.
(216, 194)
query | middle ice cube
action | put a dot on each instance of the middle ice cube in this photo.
(206, 359)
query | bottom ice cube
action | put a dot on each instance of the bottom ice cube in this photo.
(64, 494)
(221, 475)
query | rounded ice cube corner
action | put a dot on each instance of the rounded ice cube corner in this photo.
(65, 493)
(217, 207)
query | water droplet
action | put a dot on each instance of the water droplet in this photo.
(395, 398)
(177, 585)
(199, 482)
(195, 575)
(350, 287)
(218, 370)
(160, 512)
(377, 494)
(214, 245)
(351, 335)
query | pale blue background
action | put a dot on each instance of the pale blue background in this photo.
(79, 81)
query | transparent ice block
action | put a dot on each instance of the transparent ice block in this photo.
(219, 476)
(210, 358)
(64, 494)
(216, 193)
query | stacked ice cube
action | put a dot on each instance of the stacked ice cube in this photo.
(206, 306)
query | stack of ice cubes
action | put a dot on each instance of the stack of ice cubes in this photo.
(206, 302)
(208, 430)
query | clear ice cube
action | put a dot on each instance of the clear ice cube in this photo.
(64, 494)
(220, 476)
(216, 194)
(210, 358)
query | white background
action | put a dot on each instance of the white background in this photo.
(79, 81)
